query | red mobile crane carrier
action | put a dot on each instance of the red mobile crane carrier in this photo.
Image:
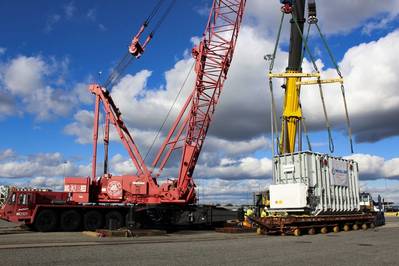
(112, 201)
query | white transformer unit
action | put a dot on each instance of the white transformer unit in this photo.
(314, 183)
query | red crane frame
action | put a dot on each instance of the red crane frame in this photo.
(213, 56)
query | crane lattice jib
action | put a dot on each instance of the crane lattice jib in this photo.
(213, 56)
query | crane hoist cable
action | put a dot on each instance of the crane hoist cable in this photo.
(169, 111)
(273, 102)
(312, 19)
(271, 66)
(328, 126)
(128, 57)
(348, 124)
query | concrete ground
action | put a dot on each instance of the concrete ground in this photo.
(372, 247)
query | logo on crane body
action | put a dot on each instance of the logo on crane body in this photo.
(114, 189)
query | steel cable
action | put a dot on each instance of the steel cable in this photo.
(127, 58)
(273, 103)
(169, 111)
(342, 85)
(330, 139)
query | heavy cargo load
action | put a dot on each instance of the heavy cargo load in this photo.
(314, 183)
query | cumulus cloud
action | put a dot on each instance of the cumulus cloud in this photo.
(336, 17)
(38, 86)
(229, 191)
(47, 182)
(52, 20)
(376, 167)
(69, 10)
(371, 92)
(43, 164)
(6, 154)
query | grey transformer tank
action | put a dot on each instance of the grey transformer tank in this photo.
(314, 183)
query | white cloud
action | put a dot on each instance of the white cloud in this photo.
(245, 168)
(387, 189)
(229, 191)
(69, 10)
(24, 75)
(92, 14)
(369, 71)
(240, 147)
(52, 20)
(6, 154)
(378, 24)
(42, 164)
(7, 106)
(102, 27)
(376, 167)
(336, 17)
(37, 86)
(47, 182)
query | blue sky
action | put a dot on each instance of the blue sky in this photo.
(50, 50)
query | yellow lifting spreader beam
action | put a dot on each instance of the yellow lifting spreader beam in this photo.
(294, 75)
(320, 81)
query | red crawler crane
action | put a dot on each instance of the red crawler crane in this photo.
(92, 201)
(213, 56)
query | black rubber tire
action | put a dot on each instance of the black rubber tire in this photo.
(70, 220)
(46, 221)
(114, 219)
(93, 220)
(136, 224)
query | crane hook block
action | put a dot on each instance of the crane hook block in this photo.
(312, 14)
(135, 48)
(287, 6)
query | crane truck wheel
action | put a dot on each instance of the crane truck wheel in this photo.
(132, 222)
(93, 220)
(70, 220)
(46, 221)
(114, 220)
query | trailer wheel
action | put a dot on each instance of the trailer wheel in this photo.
(346, 227)
(297, 232)
(93, 220)
(70, 220)
(113, 220)
(324, 230)
(372, 225)
(311, 231)
(46, 221)
(364, 226)
(355, 227)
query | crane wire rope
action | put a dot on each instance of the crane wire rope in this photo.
(330, 139)
(273, 105)
(303, 120)
(273, 102)
(332, 58)
(169, 111)
(127, 58)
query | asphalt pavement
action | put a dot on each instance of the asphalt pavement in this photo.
(378, 246)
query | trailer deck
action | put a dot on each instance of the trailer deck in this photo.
(296, 225)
